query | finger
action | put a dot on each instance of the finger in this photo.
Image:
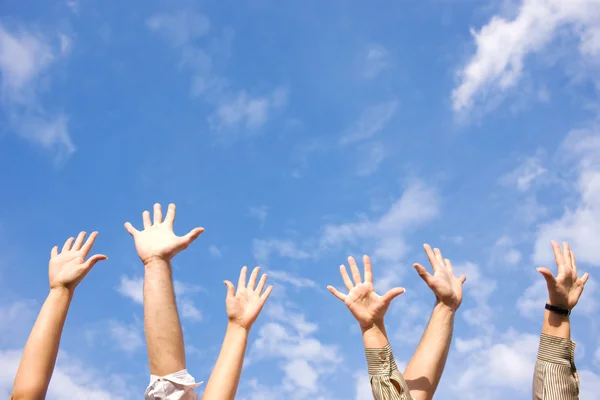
(252, 280)
(462, 278)
(438, 256)
(550, 280)
(337, 293)
(79, 241)
(560, 262)
(355, 271)
(242, 279)
(585, 278)
(230, 289)
(158, 217)
(261, 284)
(54, 252)
(368, 269)
(422, 271)
(132, 231)
(392, 294)
(573, 262)
(89, 264)
(266, 294)
(146, 219)
(170, 218)
(68, 244)
(192, 235)
(448, 265)
(430, 256)
(346, 278)
(567, 254)
(87, 247)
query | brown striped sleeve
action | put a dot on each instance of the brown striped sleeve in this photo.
(555, 376)
(386, 381)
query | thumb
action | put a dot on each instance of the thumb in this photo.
(193, 235)
(392, 294)
(132, 231)
(462, 278)
(422, 271)
(230, 289)
(89, 264)
(550, 280)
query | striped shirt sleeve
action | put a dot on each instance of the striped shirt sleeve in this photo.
(555, 376)
(386, 381)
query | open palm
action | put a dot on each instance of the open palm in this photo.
(244, 306)
(158, 240)
(68, 268)
(365, 305)
(446, 287)
(565, 289)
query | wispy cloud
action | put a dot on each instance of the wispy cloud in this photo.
(370, 122)
(296, 281)
(128, 337)
(233, 109)
(25, 58)
(377, 59)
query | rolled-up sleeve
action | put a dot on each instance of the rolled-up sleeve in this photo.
(387, 382)
(176, 386)
(555, 376)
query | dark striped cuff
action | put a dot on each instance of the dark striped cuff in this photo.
(381, 361)
(556, 350)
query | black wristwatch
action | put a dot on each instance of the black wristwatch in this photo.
(558, 310)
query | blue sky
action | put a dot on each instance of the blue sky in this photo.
(298, 134)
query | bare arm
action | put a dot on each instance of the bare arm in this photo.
(156, 245)
(243, 308)
(425, 368)
(164, 336)
(66, 270)
(555, 376)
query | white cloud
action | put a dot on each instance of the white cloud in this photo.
(259, 212)
(531, 303)
(363, 386)
(127, 337)
(17, 320)
(214, 251)
(506, 364)
(525, 174)
(479, 289)
(189, 311)
(579, 225)
(370, 122)
(250, 112)
(132, 288)
(70, 380)
(377, 59)
(503, 44)
(296, 281)
(25, 58)
(505, 253)
(370, 157)
(284, 248)
(181, 27)
(417, 205)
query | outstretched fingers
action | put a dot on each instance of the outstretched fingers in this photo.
(230, 288)
(261, 283)
(158, 217)
(68, 244)
(368, 269)
(266, 294)
(548, 276)
(170, 218)
(355, 271)
(192, 235)
(242, 279)
(430, 256)
(462, 278)
(89, 264)
(54, 252)
(336, 293)
(87, 247)
(560, 261)
(392, 294)
(132, 231)
(146, 219)
(346, 278)
(585, 278)
(423, 273)
(79, 241)
(253, 276)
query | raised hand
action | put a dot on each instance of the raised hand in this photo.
(157, 240)
(67, 268)
(446, 287)
(366, 306)
(244, 305)
(565, 289)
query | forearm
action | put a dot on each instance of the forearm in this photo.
(556, 325)
(41, 350)
(375, 336)
(425, 369)
(164, 337)
(224, 380)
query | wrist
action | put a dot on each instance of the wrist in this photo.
(237, 328)
(375, 336)
(156, 262)
(60, 290)
(445, 308)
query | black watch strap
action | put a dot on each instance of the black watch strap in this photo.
(558, 310)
